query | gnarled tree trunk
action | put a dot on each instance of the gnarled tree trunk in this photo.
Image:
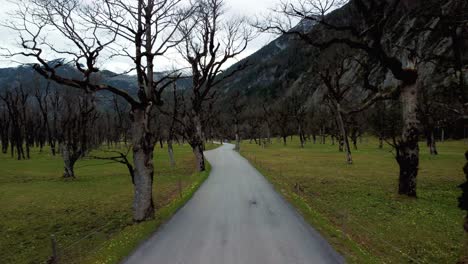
(408, 148)
(344, 133)
(431, 142)
(200, 158)
(301, 136)
(69, 160)
(143, 147)
(196, 142)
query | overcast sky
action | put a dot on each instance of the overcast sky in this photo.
(250, 8)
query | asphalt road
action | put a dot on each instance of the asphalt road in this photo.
(236, 217)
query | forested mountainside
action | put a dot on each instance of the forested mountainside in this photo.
(25, 73)
(289, 62)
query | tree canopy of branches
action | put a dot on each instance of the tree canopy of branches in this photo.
(212, 40)
(368, 31)
(141, 31)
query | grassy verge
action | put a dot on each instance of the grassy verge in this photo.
(356, 207)
(90, 217)
(121, 245)
(212, 145)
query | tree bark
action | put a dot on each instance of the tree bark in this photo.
(301, 136)
(408, 148)
(69, 161)
(431, 143)
(200, 158)
(344, 134)
(196, 142)
(143, 147)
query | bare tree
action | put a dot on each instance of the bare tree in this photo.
(336, 94)
(237, 106)
(16, 100)
(173, 124)
(268, 123)
(77, 119)
(145, 30)
(299, 111)
(211, 42)
(4, 129)
(374, 21)
(282, 116)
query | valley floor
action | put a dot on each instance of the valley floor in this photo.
(90, 217)
(356, 207)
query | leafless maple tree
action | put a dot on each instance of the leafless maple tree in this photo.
(141, 31)
(212, 40)
(374, 21)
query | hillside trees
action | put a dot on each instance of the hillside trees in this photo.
(90, 30)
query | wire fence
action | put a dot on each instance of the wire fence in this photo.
(78, 250)
(347, 219)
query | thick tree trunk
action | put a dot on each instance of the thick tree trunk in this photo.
(143, 147)
(344, 134)
(355, 143)
(301, 136)
(268, 134)
(196, 142)
(69, 161)
(200, 158)
(52, 147)
(431, 143)
(408, 148)
(4, 146)
(28, 150)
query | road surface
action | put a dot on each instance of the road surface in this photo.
(236, 217)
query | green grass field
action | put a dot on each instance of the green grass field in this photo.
(356, 207)
(90, 216)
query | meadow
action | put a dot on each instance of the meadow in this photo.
(90, 217)
(357, 208)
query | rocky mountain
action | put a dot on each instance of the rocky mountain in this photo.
(288, 63)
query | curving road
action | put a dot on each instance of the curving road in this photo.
(236, 217)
